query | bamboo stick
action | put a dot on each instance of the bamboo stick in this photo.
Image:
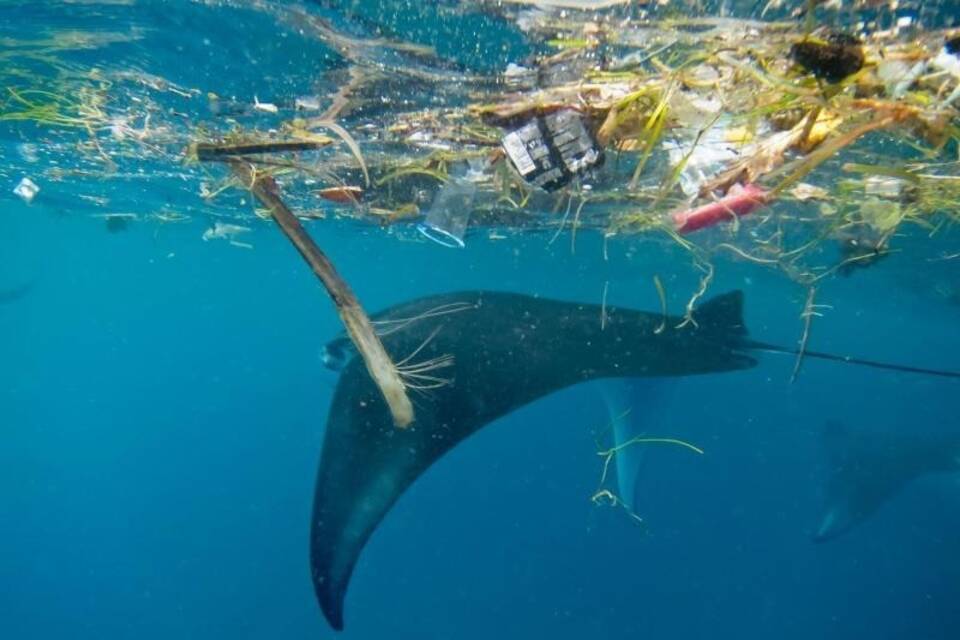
(381, 367)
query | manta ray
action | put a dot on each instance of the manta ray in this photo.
(472, 357)
(867, 470)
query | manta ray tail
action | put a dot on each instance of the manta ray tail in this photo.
(863, 362)
(723, 316)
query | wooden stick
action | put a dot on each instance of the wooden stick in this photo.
(381, 367)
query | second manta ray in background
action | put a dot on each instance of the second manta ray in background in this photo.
(478, 356)
(866, 470)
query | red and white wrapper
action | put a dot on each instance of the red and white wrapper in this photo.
(739, 201)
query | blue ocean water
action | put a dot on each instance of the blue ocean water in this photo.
(162, 403)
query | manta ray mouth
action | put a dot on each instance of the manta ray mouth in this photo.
(334, 355)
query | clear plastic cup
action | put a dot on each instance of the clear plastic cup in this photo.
(446, 221)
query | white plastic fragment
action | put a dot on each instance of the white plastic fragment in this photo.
(426, 140)
(514, 70)
(805, 191)
(518, 76)
(307, 103)
(704, 154)
(228, 232)
(947, 61)
(266, 107)
(27, 189)
(883, 187)
(446, 222)
(898, 76)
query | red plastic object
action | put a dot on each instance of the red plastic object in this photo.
(739, 201)
(341, 195)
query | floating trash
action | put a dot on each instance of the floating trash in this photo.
(624, 119)
(228, 232)
(658, 138)
(341, 195)
(739, 201)
(307, 103)
(549, 151)
(266, 107)
(448, 217)
(27, 189)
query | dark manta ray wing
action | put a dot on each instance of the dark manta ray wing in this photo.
(508, 350)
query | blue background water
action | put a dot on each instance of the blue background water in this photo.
(162, 407)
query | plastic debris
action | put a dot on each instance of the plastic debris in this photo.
(883, 187)
(703, 155)
(949, 60)
(228, 232)
(341, 195)
(739, 201)
(27, 190)
(307, 103)
(266, 107)
(805, 191)
(519, 77)
(688, 106)
(226, 108)
(899, 76)
(446, 222)
(549, 151)
(949, 57)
